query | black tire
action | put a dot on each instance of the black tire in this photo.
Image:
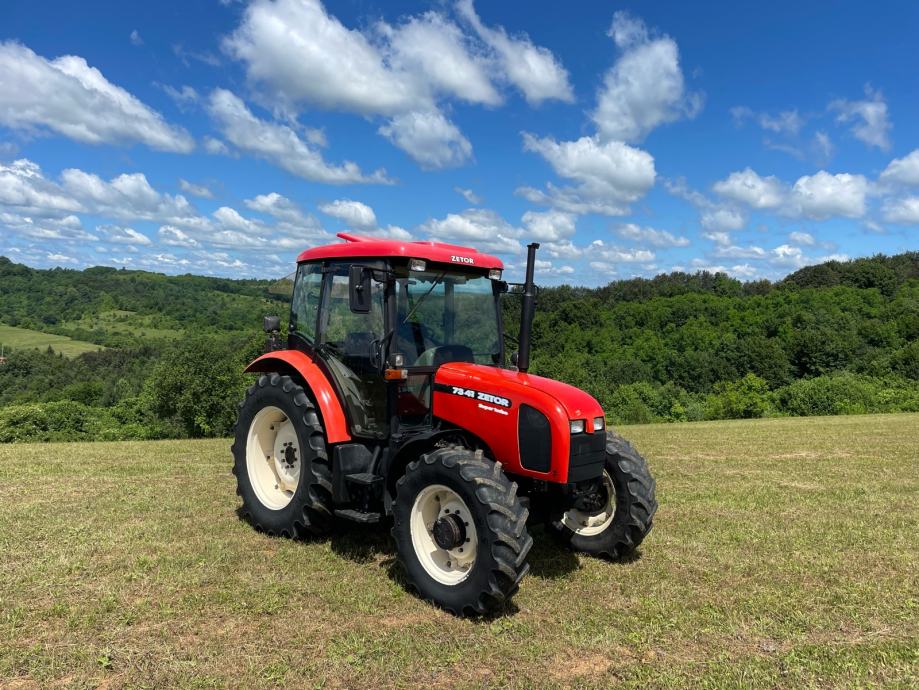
(499, 520)
(309, 511)
(635, 505)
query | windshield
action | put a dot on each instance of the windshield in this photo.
(446, 317)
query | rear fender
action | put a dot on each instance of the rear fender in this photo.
(299, 363)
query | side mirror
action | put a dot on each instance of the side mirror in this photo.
(359, 289)
(272, 326)
(272, 323)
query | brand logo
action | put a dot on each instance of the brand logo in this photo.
(480, 396)
(462, 259)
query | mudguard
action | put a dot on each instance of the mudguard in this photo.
(330, 409)
(487, 401)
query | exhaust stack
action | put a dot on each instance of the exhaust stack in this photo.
(527, 310)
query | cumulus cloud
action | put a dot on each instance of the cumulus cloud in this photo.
(279, 144)
(482, 227)
(903, 171)
(904, 211)
(353, 213)
(611, 255)
(608, 175)
(435, 49)
(868, 118)
(823, 195)
(819, 196)
(749, 188)
(802, 238)
(67, 96)
(645, 87)
(123, 235)
(429, 138)
(277, 205)
(532, 69)
(656, 238)
(195, 189)
(175, 237)
(549, 226)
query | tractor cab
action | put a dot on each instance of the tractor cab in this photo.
(382, 325)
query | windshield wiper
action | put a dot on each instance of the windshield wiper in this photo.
(424, 297)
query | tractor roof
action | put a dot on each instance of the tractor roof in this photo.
(371, 247)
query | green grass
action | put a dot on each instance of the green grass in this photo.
(785, 554)
(23, 339)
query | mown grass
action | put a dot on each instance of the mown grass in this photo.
(785, 554)
(24, 339)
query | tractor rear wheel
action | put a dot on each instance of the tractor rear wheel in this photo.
(626, 515)
(460, 531)
(281, 465)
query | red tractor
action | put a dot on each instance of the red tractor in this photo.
(393, 398)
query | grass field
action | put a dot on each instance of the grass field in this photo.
(785, 554)
(22, 339)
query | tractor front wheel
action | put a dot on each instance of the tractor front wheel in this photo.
(280, 461)
(626, 515)
(460, 531)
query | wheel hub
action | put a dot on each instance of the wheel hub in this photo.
(449, 532)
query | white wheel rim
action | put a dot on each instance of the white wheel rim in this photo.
(447, 566)
(592, 524)
(273, 458)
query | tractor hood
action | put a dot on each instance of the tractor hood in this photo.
(516, 414)
(506, 383)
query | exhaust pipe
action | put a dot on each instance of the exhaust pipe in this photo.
(527, 310)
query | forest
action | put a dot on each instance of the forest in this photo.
(835, 338)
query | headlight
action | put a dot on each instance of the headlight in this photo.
(577, 426)
(599, 422)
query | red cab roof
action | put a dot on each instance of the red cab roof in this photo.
(369, 247)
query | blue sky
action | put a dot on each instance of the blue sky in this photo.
(628, 138)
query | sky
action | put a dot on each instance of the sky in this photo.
(629, 139)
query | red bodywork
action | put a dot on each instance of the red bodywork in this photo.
(330, 409)
(497, 425)
(357, 246)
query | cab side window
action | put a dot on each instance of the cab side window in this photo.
(305, 304)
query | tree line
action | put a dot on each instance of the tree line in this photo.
(837, 338)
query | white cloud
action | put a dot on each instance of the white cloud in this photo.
(184, 97)
(823, 195)
(279, 144)
(656, 238)
(174, 237)
(749, 188)
(127, 196)
(434, 48)
(904, 211)
(69, 97)
(482, 227)
(216, 147)
(868, 117)
(22, 185)
(608, 175)
(468, 195)
(353, 213)
(735, 252)
(532, 69)
(902, 170)
(429, 138)
(195, 189)
(785, 122)
(304, 55)
(823, 146)
(608, 254)
(721, 219)
(644, 88)
(549, 226)
(721, 238)
(123, 235)
(136, 39)
(276, 205)
(800, 238)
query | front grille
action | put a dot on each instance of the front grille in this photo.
(588, 455)
(534, 437)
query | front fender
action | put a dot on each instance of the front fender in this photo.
(330, 408)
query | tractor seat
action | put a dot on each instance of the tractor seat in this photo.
(437, 356)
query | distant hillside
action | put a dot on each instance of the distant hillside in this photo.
(123, 308)
(841, 337)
